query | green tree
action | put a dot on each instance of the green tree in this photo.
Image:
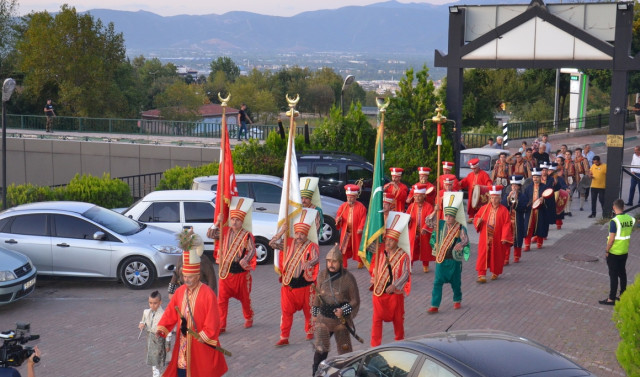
(73, 59)
(407, 114)
(227, 66)
(321, 97)
(181, 101)
(8, 10)
(352, 133)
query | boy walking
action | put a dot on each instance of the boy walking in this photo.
(157, 347)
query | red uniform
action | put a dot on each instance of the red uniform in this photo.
(469, 182)
(494, 229)
(389, 307)
(456, 183)
(235, 281)
(421, 249)
(350, 220)
(299, 271)
(188, 353)
(399, 191)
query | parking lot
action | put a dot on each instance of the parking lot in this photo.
(89, 327)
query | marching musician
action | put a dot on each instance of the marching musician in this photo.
(571, 177)
(398, 189)
(447, 166)
(476, 177)
(350, 220)
(584, 180)
(419, 234)
(536, 219)
(423, 177)
(516, 202)
(391, 278)
(558, 183)
(493, 222)
(449, 248)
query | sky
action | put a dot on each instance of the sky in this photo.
(198, 7)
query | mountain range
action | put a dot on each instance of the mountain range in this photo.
(383, 28)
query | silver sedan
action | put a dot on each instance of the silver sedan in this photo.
(82, 239)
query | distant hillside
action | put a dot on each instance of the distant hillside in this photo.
(388, 27)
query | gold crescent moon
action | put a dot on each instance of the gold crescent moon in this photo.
(382, 104)
(292, 102)
(224, 101)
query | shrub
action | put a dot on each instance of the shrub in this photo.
(29, 193)
(105, 192)
(626, 316)
(181, 178)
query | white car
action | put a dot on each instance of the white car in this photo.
(175, 209)
(266, 191)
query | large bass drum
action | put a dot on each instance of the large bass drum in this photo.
(480, 196)
(562, 199)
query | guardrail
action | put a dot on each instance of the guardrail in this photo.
(139, 126)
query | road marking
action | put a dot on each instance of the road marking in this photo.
(586, 269)
(567, 300)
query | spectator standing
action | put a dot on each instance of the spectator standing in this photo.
(588, 153)
(48, 111)
(547, 143)
(523, 148)
(498, 144)
(636, 113)
(635, 174)
(243, 117)
(541, 155)
(598, 173)
(620, 228)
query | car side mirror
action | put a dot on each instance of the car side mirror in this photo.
(99, 236)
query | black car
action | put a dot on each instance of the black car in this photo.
(469, 353)
(335, 170)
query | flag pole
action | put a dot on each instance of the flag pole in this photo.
(438, 119)
(291, 113)
(221, 172)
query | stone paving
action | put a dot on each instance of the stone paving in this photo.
(89, 327)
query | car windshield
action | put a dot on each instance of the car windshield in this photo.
(113, 221)
(485, 161)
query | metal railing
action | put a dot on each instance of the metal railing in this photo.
(139, 126)
(140, 184)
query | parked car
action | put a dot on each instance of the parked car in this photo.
(266, 191)
(487, 157)
(83, 239)
(17, 276)
(174, 209)
(469, 353)
(335, 170)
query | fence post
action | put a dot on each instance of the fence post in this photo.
(599, 120)
(110, 126)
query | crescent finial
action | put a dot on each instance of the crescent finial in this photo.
(292, 102)
(382, 104)
(223, 101)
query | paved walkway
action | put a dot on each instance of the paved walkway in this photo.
(89, 327)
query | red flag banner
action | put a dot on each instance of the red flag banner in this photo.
(227, 186)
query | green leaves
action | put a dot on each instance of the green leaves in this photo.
(626, 317)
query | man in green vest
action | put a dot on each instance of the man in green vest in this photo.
(620, 228)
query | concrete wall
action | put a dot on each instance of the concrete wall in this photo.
(52, 162)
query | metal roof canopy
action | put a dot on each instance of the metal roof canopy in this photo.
(584, 36)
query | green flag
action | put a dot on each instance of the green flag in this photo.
(374, 226)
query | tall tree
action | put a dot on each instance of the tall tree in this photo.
(226, 65)
(7, 32)
(73, 59)
(181, 101)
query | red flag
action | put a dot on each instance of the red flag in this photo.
(227, 186)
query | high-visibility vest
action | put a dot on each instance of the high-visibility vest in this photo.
(624, 227)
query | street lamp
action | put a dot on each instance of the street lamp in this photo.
(8, 87)
(347, 81)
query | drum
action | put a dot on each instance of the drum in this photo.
(480, 196)
(430, 190)
(547, 193)
(537, 203)
(562, 199)
(569, 180)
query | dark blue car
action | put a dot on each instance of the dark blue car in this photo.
(469, 353)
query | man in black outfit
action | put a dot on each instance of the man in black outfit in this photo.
(242, 122)
(540, 155)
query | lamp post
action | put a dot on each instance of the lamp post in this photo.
(347, 81)
(8, 87)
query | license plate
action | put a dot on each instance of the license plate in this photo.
(29, 284)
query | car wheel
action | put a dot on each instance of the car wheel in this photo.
(137, 273)
(329, 233)
(264, 252)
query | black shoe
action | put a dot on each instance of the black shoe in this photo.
(581, 209)
(606, 302)
(569, 214)
(591, 216)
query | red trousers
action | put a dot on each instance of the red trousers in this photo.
(350, 254)
(292, 300)
(236, 286)
(387, 308)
